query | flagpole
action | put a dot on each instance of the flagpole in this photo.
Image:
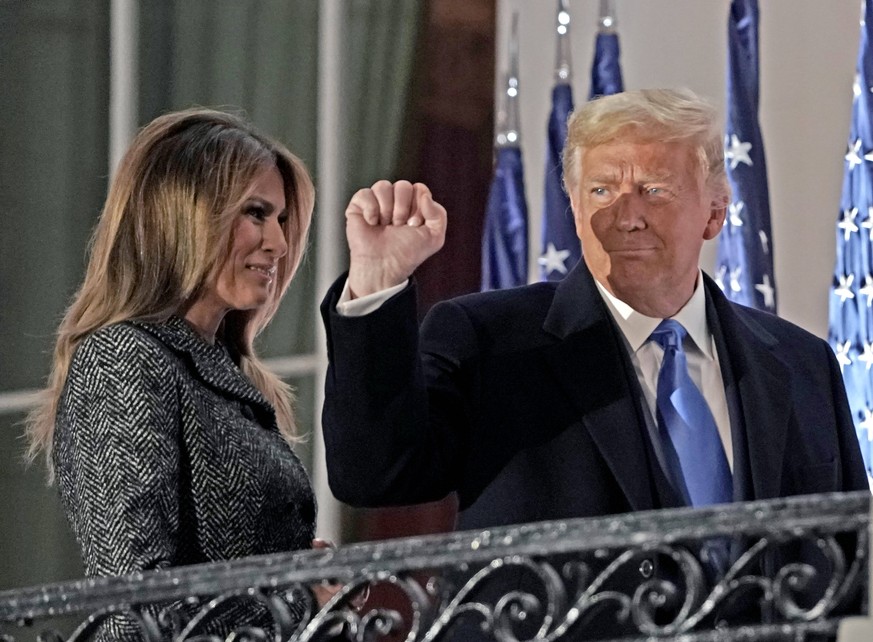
(563, 55)
(607, 22)
(508, 127)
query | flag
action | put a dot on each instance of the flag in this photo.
(744, 266)
(504, 242)
(561, 249)
(850, 331)
(560, 244)
(606, 70)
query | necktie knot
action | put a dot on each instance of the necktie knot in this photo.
(669, 334)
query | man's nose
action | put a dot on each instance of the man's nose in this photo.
(629, 211)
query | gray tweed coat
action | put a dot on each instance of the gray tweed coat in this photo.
(167, 455)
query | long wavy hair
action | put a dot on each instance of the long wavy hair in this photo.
(165, 231)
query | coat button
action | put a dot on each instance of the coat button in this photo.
(248, 413)
(647, 568)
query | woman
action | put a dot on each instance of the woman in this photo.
(169, 439)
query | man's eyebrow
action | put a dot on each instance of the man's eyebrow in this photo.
(654, 177)
(658, 177)
(601, 178)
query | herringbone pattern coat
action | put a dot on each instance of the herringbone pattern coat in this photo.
(167, 455)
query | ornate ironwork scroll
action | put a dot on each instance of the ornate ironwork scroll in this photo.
(783, 569)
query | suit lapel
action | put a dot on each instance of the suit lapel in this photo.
(578, 317)
(761, 383)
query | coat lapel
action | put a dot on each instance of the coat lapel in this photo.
(211, 362)
(762, 385)
(588, 339)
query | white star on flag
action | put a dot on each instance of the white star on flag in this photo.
(867, 290)
(856, 87)
(843, 354)
(738, 152)
(867, 356)
(853, 155)
(553, 259)
(734, 211)
(848, 223)
(735, 279)
(767, 291)
(719, 277)
(867, 424)
(868, 222)
(844, 290)
(765, 245)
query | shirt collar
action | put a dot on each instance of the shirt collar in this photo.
(637, 327)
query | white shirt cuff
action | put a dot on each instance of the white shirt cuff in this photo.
(349, 307)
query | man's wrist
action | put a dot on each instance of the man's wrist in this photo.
(347, 306)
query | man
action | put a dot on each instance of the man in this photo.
(573, 399)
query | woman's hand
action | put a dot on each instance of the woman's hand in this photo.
(325, 591)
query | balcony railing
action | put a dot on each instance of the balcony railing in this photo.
(783, 569)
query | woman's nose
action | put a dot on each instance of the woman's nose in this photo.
(274, 238)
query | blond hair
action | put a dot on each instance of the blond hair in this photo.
(644, 116)
(164, 230)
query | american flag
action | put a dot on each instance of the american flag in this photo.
(744, 267)
(560, 245)
(851, 294)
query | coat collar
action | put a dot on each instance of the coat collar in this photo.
(212, 363)
(577, 305)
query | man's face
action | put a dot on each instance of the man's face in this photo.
(642, 213)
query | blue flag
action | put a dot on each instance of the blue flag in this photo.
(851, 295)
(504, 241)
(744, 267)
(561, 249)
(605, 70)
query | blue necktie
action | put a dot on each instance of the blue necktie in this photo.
(688, 431)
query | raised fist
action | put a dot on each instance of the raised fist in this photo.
(391, 230)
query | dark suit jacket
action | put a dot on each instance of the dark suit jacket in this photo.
(525, 403)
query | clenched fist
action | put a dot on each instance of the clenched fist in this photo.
(391, 230)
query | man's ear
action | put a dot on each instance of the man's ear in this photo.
(717, 213)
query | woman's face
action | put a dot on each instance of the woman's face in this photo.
(247, 278)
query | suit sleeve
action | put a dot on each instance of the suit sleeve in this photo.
(117, 454)
(394, 415)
